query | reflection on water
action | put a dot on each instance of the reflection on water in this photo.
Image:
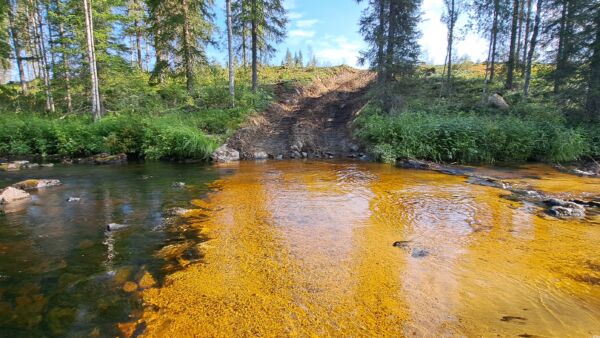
(306, 248)
(62, 274)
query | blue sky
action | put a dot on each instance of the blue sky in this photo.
(330, 29)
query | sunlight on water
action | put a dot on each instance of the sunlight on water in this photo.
(307, 248)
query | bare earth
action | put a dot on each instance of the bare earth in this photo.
(312, 121)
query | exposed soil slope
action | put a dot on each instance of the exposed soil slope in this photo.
(312, 121)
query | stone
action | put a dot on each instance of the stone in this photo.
(497, 101)
(567, 212)
(73, 199)
(261, 155)
(47, 165)
(304, 154)
(130, 287)
(178, 185)
(11, 194)
(419, 253)
(35, 184)
(33, 165)
(279, 157)
(10, 167)
(354, 148)
(176, 212)
(225, 154)
(109, 159)
(401, 244)
(116, 227)
(147, 281)
(415, 164)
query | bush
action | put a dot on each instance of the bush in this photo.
(468, 137)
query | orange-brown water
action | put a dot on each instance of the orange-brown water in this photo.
(306, 249)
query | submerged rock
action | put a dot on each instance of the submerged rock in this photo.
(12, 194)
(116, 227)
(176, 211)
(178, 185)
(35, 184)
(416, 164)
(419, 253)
(73, 199)
(14, 165)
(225, 154)
(109, 159)
(401, 244)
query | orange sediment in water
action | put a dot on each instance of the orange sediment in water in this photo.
(306, 249)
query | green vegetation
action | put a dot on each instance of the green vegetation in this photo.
(429, 124)
(152, 122)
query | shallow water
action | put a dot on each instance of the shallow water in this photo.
(296, 248)
(306, 248)
(62, 274)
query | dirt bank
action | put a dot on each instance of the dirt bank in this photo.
(311, 121)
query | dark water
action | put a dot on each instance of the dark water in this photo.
(61, 273)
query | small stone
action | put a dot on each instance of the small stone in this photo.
(304, 154)
(354, 148)
(11, 194)
(401, 244)
(9, 167)
(176, 212)
(279, 157)
(567, 212)
(115, 227)
(47, 165)
(130, 287)
(419, 253)
(178, 185)
(147, 281)
(261, 155)
(33, 165)
(73, 199)
(109, 159)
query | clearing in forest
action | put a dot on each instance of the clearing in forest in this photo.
(313, 121)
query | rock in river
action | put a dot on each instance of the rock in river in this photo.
(12, 194)
(35, 184)
(115, 227)
(565, 209)
(225, 154)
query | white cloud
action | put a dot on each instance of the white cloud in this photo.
(434, 34)
(289, 4)
(300, 33)
(339, 50)
(306, 23)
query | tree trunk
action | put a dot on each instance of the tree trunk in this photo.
(65, 61)
(520, 35)
(381, 41)
(16, 42)
(392, 25)
(187, 49)
(45, 69)
(254, 32)
(230, 51)
(593, 95)
(452, 15)
(494, 39)
(510, 71)
(534, 36)
(526, 38)
(91, 51)
(561, 48)
(138, 37)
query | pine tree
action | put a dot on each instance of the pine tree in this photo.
(267, 26)
(288, 61)
(230, 51)
(299, 60)
(593, 92)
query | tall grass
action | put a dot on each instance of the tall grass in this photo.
(470, 138)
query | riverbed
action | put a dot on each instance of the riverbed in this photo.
(297, 248)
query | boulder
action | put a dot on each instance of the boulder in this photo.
(565, 209)
(225, 154)
(261, 155)
(176, 212)
(11, 194)
(73, 199)
(35, 184)
(416, 164)
(47, 165)
(109, 159)
(14, 166)
(497, 101)
(178, 185)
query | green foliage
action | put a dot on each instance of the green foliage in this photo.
(468, 138)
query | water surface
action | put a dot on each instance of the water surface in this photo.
(62, 274)
(306, 248)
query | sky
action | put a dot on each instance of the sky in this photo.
(330, 29)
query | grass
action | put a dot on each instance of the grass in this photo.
(428, 122)
(153, 122)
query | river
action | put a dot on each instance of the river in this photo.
(300, 248)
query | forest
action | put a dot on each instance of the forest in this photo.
(84, 77)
